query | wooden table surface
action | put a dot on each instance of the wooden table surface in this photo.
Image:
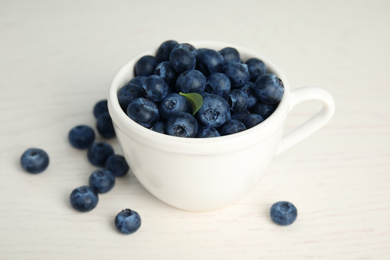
(57, 59)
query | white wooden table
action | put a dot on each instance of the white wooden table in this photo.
(57, 59)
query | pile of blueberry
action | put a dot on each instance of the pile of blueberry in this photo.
(234, 95)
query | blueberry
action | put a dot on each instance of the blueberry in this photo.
(232, 127)
(102, 180)
(248, 88)
(166, 72)
(218, 83)
(182, 59)
(165, 49)
(269, 89)
(84, 198)
(159, 127)
(117, 165)
(34, 160)
(143, 111)
(214, 112)
(127, 221)
(105, 126)
(138, 80)
(173, 104)
(237, 100)
(128, 93)
(208, 131)
(230, 54)
(186, 46)
(265, 110)
(100, 108)
(256, 68)
(191, 81)
(98, 153)
(145, 66)
(81, 136)
(283, 213)
(238, 73)
(209, 61)
(241, 115)
(182, 124)
(252, 119)
(155, 88)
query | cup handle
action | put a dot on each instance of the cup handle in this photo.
(315, 122)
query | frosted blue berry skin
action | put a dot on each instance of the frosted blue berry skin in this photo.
(100, 108)
(237, 72)
(248, 88)
(209, 61)
(186, 46)
(98, 153)
(34, 160)
(230, 54)
(117, 165)
(232, 127)
(241, 115)
(265, 110)
(208, 131)
(81, 136)
(143, 111)
(172, 104)
(218, 83)
(159, 127)
(182, 59)
(138, 80)
(166, 72)
(102, 180)
(165, 49)
(256, 68)
(128, 93)
(214, 112)
(237, 100)
(269, 89)
(84, 198)
(127, 221)
(191, 81)
(105, 126)
(182, 125)
(252, 120)
(283, 213)
(145, 66)
(155, 88)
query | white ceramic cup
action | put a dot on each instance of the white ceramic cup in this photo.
(200, 174)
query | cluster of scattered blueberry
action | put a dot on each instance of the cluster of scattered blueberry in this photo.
(234, 95)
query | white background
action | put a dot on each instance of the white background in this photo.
(57, 59)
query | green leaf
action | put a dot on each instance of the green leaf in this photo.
(195, 99)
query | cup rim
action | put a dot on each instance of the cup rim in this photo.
(212, 145)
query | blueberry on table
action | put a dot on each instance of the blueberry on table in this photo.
(102, 180)
(256, 68)
(182, 59)
(165, 49)
(230, 54)
(238, 73)
(172, 104)
(283, 213)
(155, 88)
(218, 83)
(128, 93)
(81, 136)
(182, 125)
(191, 81)
(209, 61)
(127, 221)
(237, 100)
(105, 126)
(34, 160)
(269, 89)
(100, 108)
(207, 131)
(117, 165)
(166, 72)
(252, 120)
(214, 112)
(232, 127)
(143, 111)
(145, 66)
(99, 152)
(84, 198)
